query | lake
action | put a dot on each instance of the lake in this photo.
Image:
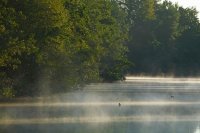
(137, 105)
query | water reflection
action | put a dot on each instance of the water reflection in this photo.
(139, 105)
(197, 129)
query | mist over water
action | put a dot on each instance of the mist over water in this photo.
(137, 105)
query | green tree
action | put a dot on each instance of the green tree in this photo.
(187, 45)
(14, 43)
(141, 16)
(37, 41)
(99, 33)
(49, 45)
(152, 39)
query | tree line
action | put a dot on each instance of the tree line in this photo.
(163, 38)
(59, 45)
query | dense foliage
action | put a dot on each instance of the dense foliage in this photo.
(54, 45)
(164, 38)
(58, 45)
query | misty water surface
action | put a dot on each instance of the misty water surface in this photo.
(138, 105)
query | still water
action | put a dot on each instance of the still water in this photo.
(138, 105)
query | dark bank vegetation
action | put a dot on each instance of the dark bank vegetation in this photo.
(163, 38)
(58, 45)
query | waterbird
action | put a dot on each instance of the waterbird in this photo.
(119, 104)
(172, 97)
